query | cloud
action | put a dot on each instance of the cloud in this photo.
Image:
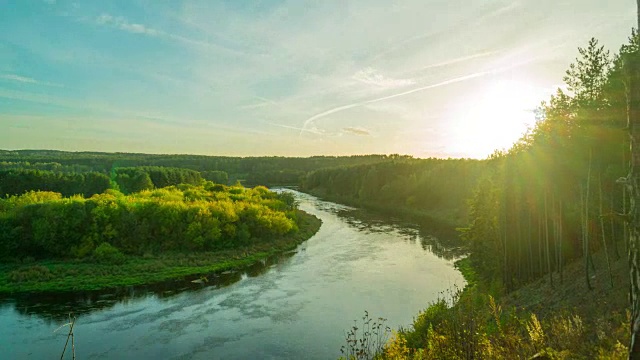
(312, 130)
(263, 102)
(356, 131)
(19, 78)
(458, 60)
(471, 76)
(371, 76)
(122, 24)
(27, 80)
(310, 120)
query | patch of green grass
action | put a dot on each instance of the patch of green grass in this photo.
(86, 275)
(468, 272)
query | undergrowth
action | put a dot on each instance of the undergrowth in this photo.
(477, 327)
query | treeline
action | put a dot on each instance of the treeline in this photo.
(48, 166)
(421, 188)
(127, 180)
(554, 196)
(19, 181)
(46, 225)
(134, 179)
(268, 170)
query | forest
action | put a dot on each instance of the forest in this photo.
(112, 228)
(251, 171)
(547, 214)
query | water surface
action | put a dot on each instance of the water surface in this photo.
(296, 306)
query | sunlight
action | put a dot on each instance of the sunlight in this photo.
(495, 118)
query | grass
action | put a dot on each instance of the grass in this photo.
(466, 269)
(566, 320)
(88, 275)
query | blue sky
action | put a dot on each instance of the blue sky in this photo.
(445, 78)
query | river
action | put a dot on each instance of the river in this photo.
(296, 306)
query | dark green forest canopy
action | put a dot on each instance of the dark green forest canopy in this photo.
(15, 181)
(436, 188)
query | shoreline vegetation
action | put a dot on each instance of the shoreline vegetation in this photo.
(546, 219)
(259, 224)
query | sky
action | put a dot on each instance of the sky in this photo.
(428, 78)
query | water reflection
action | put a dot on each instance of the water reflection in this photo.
(55, 307)
(446, 245)
(286, 307)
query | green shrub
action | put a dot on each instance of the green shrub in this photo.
(34, 273)
(108, 254)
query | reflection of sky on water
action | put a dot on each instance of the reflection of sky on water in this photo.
(294, 306)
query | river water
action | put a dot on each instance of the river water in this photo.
(295, 306)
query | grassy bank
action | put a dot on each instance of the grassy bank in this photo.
(563, 320)
(84, 275)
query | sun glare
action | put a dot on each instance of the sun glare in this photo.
(495, 118)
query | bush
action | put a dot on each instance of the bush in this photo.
(31, 274)
(108, 254)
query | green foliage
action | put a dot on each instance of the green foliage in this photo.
(476, 327)
(267, 171)
(184, 218)
(36, 273)
(539, 206)
(216, 176)
(107, 254)
(416, 187)
(18, 181)
(88, 274)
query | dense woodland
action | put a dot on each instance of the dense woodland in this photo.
(269, 171)
(554, 196)
(43, 225)
(437, 189)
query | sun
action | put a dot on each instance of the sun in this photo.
(494, 118)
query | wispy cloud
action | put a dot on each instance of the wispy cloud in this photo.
(18, 78)
(311, 130)
(122, 24)
(357, 131)
(371, 76)
(459, 60)
(26, 80)
(263, 102)
(310, 120)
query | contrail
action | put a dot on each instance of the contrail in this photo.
(328, 112)
(345, 107)
(293, 128)
(447, 82)
(457, 60)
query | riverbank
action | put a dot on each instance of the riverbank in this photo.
(88, 275)
(561, 320)
(442, 223)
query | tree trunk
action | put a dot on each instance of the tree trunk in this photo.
(633, 118)
(546, 239)
(612, 227)
(584, 220)
(560, 245)
(602, 229)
